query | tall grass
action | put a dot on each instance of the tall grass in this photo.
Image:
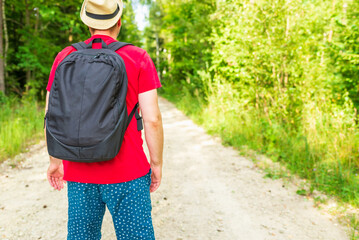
(21, 122)
(323, 147)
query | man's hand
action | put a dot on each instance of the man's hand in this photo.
(156, 176)
(55, 173)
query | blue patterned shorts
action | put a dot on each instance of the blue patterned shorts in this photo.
(129, 204)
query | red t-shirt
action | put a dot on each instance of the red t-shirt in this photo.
(131, 162)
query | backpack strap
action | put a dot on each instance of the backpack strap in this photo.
(114, 47)
(138, 117)
(97, 40)
(117, 45)
(80, 46)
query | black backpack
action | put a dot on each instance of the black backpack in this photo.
(87, 114)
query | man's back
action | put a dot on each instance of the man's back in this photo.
(131, 162)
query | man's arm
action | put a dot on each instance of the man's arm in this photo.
(55, 172)
(152, 120)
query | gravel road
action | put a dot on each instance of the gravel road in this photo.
(208, 192)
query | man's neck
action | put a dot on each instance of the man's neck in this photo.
(107, 33)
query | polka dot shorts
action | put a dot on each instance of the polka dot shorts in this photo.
(129, 204)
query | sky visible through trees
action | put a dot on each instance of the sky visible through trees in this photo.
(141, 14)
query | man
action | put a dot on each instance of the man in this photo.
(124, 183)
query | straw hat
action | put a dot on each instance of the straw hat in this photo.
(101, 14)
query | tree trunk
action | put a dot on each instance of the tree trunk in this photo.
(6, 37)
(27, 26)
(37, 20)
(2, 75)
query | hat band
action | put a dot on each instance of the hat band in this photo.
(103, 16)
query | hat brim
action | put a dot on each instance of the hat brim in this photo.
(100, 24)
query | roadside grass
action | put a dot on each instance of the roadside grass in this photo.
(327, 172)
(323, 150)
(21, 123)
(354, 222)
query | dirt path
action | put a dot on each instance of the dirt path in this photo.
(208, 192)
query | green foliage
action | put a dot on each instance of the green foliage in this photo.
(345, 52)
(21, 124)
(280, 77)
(354, 222)
(37, 31)
(302, 192)
(185, 25)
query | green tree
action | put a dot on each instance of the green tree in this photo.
(179, 32)
(153, 39)
(345, 51)
(41, 29)
(129, 30)
(38, 30)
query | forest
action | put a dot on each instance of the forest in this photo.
(279, 77)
